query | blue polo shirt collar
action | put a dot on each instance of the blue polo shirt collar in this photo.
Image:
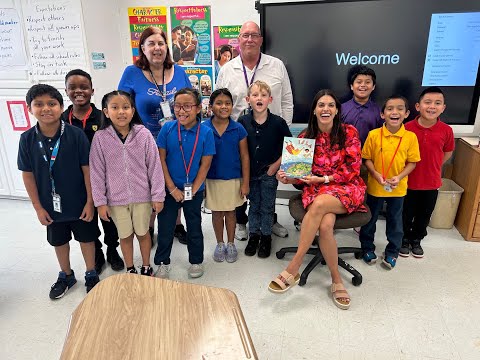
(230, 127)
(194, 128)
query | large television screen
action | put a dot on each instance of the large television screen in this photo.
(410, 44)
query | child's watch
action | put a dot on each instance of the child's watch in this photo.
(327, 180)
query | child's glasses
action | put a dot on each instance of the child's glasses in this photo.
(185, 107)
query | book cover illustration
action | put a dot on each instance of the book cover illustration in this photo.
(297, 156)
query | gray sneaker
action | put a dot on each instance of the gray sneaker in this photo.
(219, 254)
(279, 230)
(163, 271)
(195, 270)
(241, 232)
(232, 253)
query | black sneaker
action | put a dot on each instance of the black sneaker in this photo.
(251, 248)
(405, 249)
(146, 270)
(63, 284)
(417, 250)
(91, 279)
(99, 260)
(114, 259)
(132, 270)
(180, 234)
(265, 246)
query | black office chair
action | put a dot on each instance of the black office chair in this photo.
(343, 221)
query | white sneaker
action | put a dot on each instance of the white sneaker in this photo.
(279, 230)
(163, 271)
(241, 232)
(195, 270)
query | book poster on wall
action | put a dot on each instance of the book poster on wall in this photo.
(55, 38)
(140, 18)
(201, 80)
(191, 35)
(224, 37)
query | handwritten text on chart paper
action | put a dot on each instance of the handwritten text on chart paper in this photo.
(55, 38)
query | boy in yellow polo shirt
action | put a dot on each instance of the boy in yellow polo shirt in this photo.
(390, 154)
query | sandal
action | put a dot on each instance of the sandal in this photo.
(340, 296)
(283, 282)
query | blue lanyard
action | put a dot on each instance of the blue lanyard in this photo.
(54, 154)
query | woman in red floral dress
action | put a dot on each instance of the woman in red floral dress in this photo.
(334, 187)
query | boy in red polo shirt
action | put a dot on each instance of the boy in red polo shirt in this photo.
(436, 146)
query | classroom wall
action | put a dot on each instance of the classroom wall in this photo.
(106, 31)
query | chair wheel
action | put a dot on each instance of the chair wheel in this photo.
(356, 281)
(323, 262)
(297, 225)
(358, 255)
(280, 254)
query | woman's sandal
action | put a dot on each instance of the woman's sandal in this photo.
(340, 296)
(283, 282)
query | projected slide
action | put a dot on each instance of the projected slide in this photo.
(453, 50)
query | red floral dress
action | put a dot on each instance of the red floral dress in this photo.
(343, 165)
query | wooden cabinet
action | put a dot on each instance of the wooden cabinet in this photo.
(466, 173)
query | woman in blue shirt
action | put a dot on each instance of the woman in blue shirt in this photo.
(153, 82)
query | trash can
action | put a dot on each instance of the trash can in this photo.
(449, 195)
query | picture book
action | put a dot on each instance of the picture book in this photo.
(297, 156)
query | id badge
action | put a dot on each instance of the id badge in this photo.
(387, 187)
(187, 191)
(57, 204)
(167, 112)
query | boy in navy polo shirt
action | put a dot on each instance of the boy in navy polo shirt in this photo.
(84, 115)
(265, 143)
(186, 149)
(53, 157)
(361, 111)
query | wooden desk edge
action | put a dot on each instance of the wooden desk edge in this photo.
(242, 328)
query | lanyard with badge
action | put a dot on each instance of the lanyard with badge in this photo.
(387, 186)
(164, 104)
(84, 120)
(188, 186)
(248, 83)
(57, 204)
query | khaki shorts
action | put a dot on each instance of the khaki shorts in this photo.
(132, 218)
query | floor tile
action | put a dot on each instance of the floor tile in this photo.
(424, 309)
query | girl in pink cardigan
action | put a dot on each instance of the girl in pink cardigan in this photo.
(126, 176)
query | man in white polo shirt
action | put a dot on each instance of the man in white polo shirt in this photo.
(237, 75)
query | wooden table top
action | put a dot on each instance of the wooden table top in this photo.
(131, 316)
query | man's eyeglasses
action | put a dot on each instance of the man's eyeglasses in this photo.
(254, 36)
(186, 107)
